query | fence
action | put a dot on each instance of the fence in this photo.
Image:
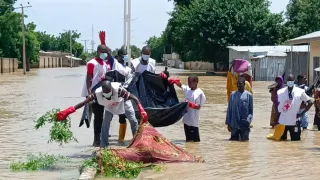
(8, 65)
(199, 65)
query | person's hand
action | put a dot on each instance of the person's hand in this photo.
(192, 105)
(62, 115)
(173, 80)
(163, 75)
(143, 113)
(299, 116)
(229, 128)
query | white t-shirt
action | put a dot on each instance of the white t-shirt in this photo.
(290, 108)
(192, 117)
(138, 67)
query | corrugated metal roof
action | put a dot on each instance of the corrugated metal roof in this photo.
(303, 48)
(276, 54)
(74, 58)
(315, 36)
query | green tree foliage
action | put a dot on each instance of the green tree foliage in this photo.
(204, 29)
(135, 51)
(157, 45)
(11, 37)
(303, 17)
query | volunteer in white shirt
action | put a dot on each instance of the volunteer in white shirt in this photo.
(96, 70)
(111, 96)
(119, 65)
(290, 99)
(144, 63)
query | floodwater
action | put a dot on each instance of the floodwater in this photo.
(25, 98)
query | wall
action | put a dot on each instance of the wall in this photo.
(314, 52)
(199, 65)
(8, 65)
(299, 63)
(49, 62)
(267, 68)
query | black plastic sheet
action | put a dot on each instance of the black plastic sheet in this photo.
(155, 94)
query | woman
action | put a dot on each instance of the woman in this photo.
(316, 123)
(274, 99)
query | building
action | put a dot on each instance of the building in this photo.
(8, 65)
(56, 59)
(268, 66)
(247, 52)
(313, 41)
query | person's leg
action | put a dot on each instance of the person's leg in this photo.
(304, 121)
(295, 132)
(122, 128)
(285, 133)
(244, 133)
(195, 135)
(234, 135)
(187, 132)
(105, 129)
(97, 110)
(130, 114)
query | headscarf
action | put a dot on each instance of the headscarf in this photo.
(276, 103)
(282, 82)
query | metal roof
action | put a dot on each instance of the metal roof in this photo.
(315, 36)
(303, 48)
(74, 58)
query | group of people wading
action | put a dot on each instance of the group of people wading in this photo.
(111, 98)
(290, 104)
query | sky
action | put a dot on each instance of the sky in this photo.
(150, 18)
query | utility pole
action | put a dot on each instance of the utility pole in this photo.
(125, 25)
(71, 62)
(85, 45)
(127, 29)
(129, 32)
(92, 41)
(24, 61)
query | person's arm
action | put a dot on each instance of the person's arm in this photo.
(127, 96)
(249, 118)
(310, 101)
(228, 116)
(90, 68)
(111, 60)
(62, 115)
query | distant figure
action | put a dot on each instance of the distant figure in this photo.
(239, 113)
(302, 85)
(166, 72)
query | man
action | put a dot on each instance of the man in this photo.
(301, 83)
(144, 63)
(129, 110)
(290, 99)
(166, 72)
(239, 113)
(96, 70)
(111, 96)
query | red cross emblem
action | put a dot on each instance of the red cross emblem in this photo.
(287, 106)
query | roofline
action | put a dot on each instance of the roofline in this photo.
(301, 41)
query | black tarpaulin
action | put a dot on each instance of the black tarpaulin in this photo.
(155, 94)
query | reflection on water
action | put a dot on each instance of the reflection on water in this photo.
(23, 99)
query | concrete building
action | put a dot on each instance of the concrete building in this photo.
(313, 41)
(8, 65)
(56, 59)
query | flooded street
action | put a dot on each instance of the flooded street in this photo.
(24, 99)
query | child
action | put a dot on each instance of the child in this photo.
(196, 99)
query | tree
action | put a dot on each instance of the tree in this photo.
(302, 17)
(204, 29)
(157, 46)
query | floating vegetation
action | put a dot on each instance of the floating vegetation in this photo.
(40, 162)
(60, 130)
(116, 167)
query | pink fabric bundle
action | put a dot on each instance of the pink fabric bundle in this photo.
(240, 65)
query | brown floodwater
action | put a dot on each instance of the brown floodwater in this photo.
(24, 98)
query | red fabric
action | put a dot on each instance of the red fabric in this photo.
(163, 75)
(102, 36)
(149, 146)
(192, 105)
(173, 80)
(62, 115)
(90, 68)
(143, 113)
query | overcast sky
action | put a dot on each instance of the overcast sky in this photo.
(150, 18)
